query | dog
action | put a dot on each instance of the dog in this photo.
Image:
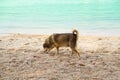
(62, 40)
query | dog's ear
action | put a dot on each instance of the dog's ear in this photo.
(51, 40)
(47, 41)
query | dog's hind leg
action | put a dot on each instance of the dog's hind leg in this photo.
(75, 50)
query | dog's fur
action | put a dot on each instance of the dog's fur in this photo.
(62, 40)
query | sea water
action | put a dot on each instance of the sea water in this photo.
(96, 17)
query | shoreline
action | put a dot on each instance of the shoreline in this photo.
(100, 32)
(83, 34)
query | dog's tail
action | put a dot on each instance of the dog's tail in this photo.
(76, 33)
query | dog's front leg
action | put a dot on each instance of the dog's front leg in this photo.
(57, 50)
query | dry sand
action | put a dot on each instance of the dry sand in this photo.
(22, 58)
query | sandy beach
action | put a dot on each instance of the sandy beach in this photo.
(22, 58)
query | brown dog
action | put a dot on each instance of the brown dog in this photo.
(62, 40)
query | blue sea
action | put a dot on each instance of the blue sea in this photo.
(90, 17)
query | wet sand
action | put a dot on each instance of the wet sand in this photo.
(22, 58)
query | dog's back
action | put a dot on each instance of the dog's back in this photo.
(66, 39)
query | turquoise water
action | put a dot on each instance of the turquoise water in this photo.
(44, 16)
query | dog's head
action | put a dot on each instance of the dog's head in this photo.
(48, 45)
